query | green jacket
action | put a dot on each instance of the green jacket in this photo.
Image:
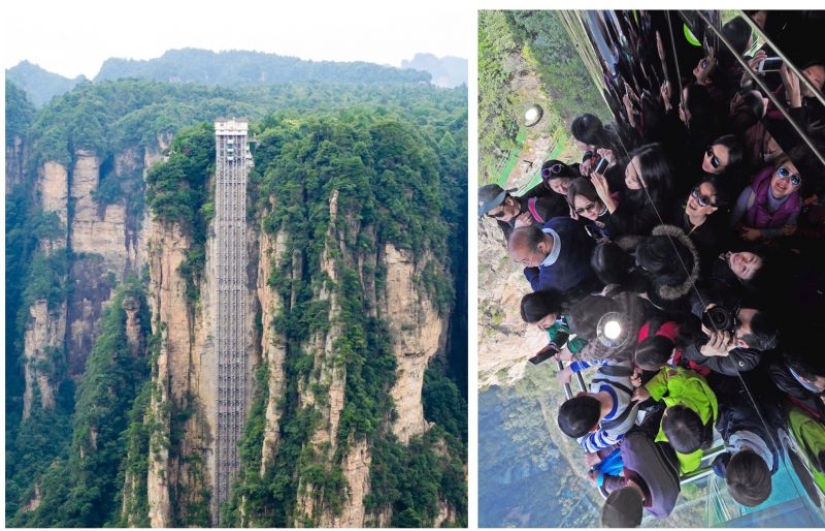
(678, 386)
(559, 333)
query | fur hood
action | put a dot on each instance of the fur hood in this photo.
(668, 292)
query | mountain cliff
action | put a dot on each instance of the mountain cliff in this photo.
(352, 419)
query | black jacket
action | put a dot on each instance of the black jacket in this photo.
(812, 402)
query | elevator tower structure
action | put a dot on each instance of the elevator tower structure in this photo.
(233, 161)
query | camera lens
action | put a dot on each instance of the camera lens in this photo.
(718, 319)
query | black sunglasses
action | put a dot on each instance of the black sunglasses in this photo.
(784, 173)
(587, 208)
(550, 171)
(703, 200)
(714, 160)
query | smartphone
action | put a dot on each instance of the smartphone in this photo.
(770, 64)
(544, 356)
(601, 166)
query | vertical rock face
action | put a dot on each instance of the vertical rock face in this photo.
(170, 319)
(95, 228)
(505, 340)
(418, 332)
(15, 163)
(186, 379)
(43, 344)
(273, 345)
(46, 329)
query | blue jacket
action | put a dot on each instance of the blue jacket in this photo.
(571, 267)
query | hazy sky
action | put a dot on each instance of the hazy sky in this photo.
(74, 37)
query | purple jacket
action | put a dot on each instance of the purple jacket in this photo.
(757, 214)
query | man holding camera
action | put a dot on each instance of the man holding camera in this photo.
(731, 341)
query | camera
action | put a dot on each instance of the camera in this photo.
(719, 319)
(601, 166)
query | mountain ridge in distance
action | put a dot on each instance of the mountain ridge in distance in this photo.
(239, 68)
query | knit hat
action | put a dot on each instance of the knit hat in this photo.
(490, 196)
(623, 508)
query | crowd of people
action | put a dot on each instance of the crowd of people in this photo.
(679, 265)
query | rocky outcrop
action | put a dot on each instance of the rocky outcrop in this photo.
(43, 348)
(15, 163)
(356, 468)
(134, 337)
(505, 341)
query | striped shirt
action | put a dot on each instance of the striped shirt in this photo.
(614, 380)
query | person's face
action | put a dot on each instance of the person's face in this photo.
(759, 18)
(716, 159)
(559, 184)
(528, 258)
(587, 208)
(632, 175)
(581, 145)
(784, 177)
(744, 265)
(547, 321)
(506, 211)
(703, 68)
(684, 115)
(816, 75)
(701, 201)
(744, 316)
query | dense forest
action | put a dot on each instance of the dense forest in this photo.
(396, 152)
(514, 44)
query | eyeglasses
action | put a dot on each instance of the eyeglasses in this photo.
(703, 200)
(587, 208)
(714, 160)
(550, 171)
(784, 173)
(704, 63)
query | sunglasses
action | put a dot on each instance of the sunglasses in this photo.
(703, 200)
(587, 208)
(704, 63)
(714, 160)
(498, 214)
(784, 173)
(550, 171)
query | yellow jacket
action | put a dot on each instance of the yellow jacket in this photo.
(678, 386)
